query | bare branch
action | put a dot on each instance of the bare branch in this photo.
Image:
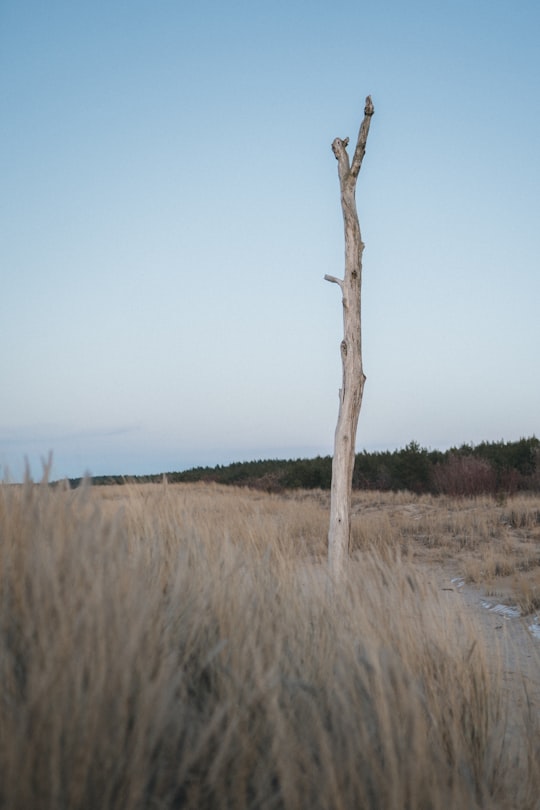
(334, 280)
(360, 150)
(339, 148)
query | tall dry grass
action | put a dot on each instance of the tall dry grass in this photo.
(182, 647)
(494, 543)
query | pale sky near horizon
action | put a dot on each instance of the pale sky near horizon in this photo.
(170, 205)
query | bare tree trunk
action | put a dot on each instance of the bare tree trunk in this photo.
(350, 395)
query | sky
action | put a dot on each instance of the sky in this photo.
(170, 205)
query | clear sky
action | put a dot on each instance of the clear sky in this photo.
(170, 205)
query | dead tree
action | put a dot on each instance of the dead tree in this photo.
(353, 379)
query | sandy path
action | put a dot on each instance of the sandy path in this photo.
(516, 650)
(519, 647)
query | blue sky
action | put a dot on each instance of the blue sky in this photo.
(170, 205)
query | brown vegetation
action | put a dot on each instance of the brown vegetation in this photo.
(183, 647)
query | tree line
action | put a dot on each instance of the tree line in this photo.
(485, 468)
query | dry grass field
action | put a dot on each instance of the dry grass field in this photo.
(183, 647)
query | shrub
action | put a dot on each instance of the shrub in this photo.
(464, 475)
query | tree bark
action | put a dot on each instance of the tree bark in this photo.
(353, 379)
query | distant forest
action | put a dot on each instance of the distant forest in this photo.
(489, 467)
